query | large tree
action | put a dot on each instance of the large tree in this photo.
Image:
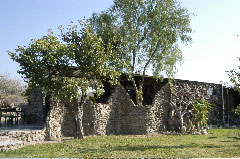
(42, 64)
(69, 67)
(96, 58)
(151, 30)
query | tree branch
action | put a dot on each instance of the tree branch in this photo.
(134, 53)
(149, 60)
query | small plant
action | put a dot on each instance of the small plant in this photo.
(237, 111)
(201, 109)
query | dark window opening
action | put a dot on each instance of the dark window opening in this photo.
(214, 92)
(107, 93)
(150, 87)
(236, 97)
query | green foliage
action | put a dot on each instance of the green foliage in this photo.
(237, 111)
(43, 62)
(149, 31)
(234, 76)
(152, 29)
(97, 59)
(201, 109)
(69, 67)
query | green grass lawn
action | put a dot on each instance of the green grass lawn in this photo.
(218, 143)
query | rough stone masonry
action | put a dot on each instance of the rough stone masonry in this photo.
(120, 115)
(117, 112)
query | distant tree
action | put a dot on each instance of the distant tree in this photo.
(151, 30)
(11, 90)
(10, 86)
(69, 67)
(234, 76)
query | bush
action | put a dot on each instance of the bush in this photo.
(201, 109)
(237, 111)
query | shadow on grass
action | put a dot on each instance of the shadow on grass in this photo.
(228, 141)
(212, 137)
(211, 146)
(143, 148)
(236, 138)
(236, 146)
(133, 148)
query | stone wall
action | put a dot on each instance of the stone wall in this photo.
(211, 92)
(119, 115)
(161, 106)
(53, 125)
(125, 116)
(10, 140)
(182, 97)
(34, 108)
(25, 136)
(95, 118)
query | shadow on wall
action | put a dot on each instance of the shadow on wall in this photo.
(34, 108)
(125, 117)
(68, 127)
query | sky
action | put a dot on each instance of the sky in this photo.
(215, 39)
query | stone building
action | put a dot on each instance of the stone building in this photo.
(116, 112)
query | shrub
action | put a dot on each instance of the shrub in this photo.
(201, 109)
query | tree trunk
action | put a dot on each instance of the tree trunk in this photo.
(182, 128)
(198, 127)
(47, 105)
(79, 125)
(79, 118)
(181, 122)
(139, 91)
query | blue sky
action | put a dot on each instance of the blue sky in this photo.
(214, 49)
